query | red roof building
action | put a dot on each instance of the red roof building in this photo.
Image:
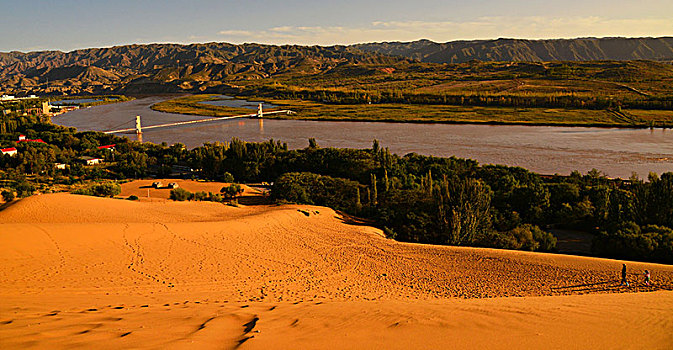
(110, 147)
(11, 151)
(31, 140)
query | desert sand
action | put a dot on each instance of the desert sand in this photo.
(86, 272)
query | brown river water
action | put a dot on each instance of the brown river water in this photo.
(543, 149)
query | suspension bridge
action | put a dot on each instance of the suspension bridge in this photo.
(139, 128)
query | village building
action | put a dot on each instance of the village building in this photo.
(22, 138)
(10, 151)
(60, 166)
(91, 160)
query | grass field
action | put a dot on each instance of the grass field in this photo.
(192, 105)
(397, 112)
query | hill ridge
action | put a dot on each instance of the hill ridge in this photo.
(528, 50)
(157, 68)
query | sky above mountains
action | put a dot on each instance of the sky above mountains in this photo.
(71, 24)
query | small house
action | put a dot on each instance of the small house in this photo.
(60, 166)
(22, 137)
(173, 185)
(10, 151)
(91, 160)
(157, 184)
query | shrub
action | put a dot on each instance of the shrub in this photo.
(630, 241)
(180, 194)
(309, 188)
(24, 189)
(214, 197)
(389, 233)
(7, 196)
(133, 197)
(227, 177)
(231, 191)
(108, 189)
(200, 196)
(524, 237)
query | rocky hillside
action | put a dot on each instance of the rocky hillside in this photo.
(583, 49)
(156, 68)
(167, 67)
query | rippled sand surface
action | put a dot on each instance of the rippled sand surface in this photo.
(89, 272)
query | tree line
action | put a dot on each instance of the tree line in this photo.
(483, 99)
(413, 198)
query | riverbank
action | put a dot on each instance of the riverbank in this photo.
(542, 149)
(95, 100)
(445, 114)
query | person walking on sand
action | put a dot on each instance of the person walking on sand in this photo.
(647, 277)
(624, 281)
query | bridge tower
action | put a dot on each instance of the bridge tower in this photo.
(139, 129)
(260, 114)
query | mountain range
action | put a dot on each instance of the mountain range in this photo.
(197, 67)
(167, 67)
(522, 50)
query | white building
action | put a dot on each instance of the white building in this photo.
(91, 160)
(11, 151)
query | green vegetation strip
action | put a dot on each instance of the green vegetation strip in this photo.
(418, 113)
(192, 105)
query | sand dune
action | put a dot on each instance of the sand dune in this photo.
(92, 272)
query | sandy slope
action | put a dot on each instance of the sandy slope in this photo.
(84, 271)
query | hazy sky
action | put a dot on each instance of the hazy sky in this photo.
(66, 25)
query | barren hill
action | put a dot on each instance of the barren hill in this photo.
(157, 68)
(523, 50)
(142, 67)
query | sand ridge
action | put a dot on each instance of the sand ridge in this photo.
(74, 253)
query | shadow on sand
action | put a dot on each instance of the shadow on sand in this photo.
(353, 220)
(254, 200)
(609, 286)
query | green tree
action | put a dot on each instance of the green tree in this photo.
(463, 209)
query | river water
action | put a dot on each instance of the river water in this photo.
(547, 150)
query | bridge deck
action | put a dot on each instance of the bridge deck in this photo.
(194, 122)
